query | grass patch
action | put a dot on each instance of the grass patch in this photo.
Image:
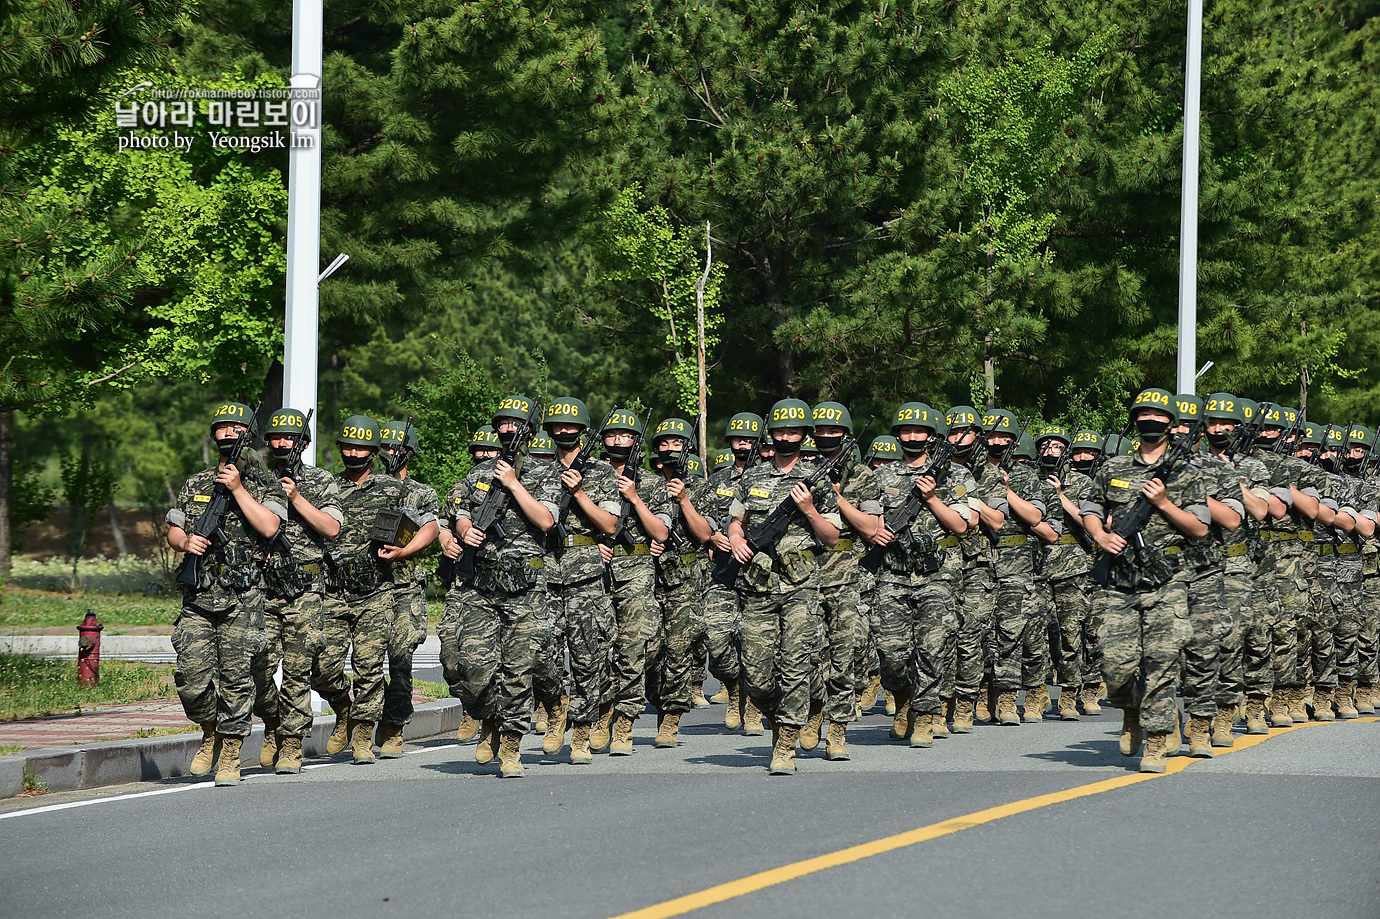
(7, 748)
(99, 575)
(429, 691)
(36, 609)
(32, 786)
(32, 686)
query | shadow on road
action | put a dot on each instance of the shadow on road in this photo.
(1086, 753)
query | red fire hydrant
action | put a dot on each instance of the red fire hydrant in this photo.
(89, 650)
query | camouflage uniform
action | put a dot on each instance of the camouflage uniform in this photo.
(636, 616)
(977, 600)
(917, 582)
(409, 610)
(1013, 569)
(1342, 606)
(1289, 536)
(220, 629)
(1066, 568)
(780, 596)
(680, 593)
(495, 623)
(1207, 601)
(294, 591)
(1146, 627)
(722, 605)
(359, 601)
(580, 612)
(1244, 652)
(1368, 638)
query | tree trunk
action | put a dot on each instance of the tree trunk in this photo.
(702, 433)
(115, 528)
(989, 361)
(271, 397)
(6, 488)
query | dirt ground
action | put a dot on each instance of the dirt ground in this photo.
(49, 538)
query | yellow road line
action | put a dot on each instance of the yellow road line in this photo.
(754, 882)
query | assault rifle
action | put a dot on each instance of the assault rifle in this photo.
(904, 514)
(764, 534)
(1130, 524)
(1247, 434)
(1010, 454)
(633, 468)
(495, 502)
(291, 469)
(393, 462)
(592, 439)
(1284, 435)
(681, 471)
(211, 524)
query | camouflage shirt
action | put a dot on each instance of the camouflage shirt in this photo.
(362, 503)
(630, 554)
(579, 560)
(958, 492)
(760, 490)
(229, 571)
(1286, 471)
(1067, 558)
(680, 564)
(426, 507)
(1370, 509)
(525, 540)
(858, 486)
(1223, 486)
(320, 489)
(1351, 499)
(1240, 544)
(1116, 488)
(1013, 554)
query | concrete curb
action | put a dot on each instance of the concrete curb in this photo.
(123, 761)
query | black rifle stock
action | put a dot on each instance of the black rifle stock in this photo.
(211, 524)
(492, 507)
(764, 534)
(1130, 524)
(904, 514)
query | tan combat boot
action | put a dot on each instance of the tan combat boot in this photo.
(809, 734)
(1089, 698)
(622, 744)
(1222, 727)
(963, 716)
(752, 717)
(208, 752)
(783, 751)
(982, 709)
(542, 719)
(1068, 703)
(668, 732)
(940, 722)
(1255, 716)
(340, 736)
(1034, 704)
(580, 754)
(871, 692)
(1156, 757)
(1322, 703)
(362, 743)
(1200, 736)
(228, 765)
(289, 756)
(390, 740)
(509, 755)
(889, 699)
(468, 730)
(555, 727)
(697, 698)
(1279, 709)
(733, 714)
(922, 734)
(1365, 700)
(601, 731)
(1006, 709)
(900, 721)
(488, 742)
(1300, 699)
(834, 747)
(720, 697)
(1131, 733)
(1346, 706)
(268, 753)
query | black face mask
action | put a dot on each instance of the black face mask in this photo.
(786, 447)
(1267, 440)
(1151, 431)
(828, 443)
(1329, 463)
(1049, 460)
(565, 441)
(1221, 439)
(281, 453)
(226, 444)
(915, 447)
(1083, 466)
(1353, 463)
(962, 450)
(393, 462)
(743, 455)
(356, 463)
(619, 452)
(666, 457)
(505, 438)
(996, 452)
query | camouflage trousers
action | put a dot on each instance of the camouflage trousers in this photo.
(1315, 639)
(636, 619)
(723, 622)
(409, 631)
(215, 657)
(1349, 610)
(1368, 639)
(1073, 607)
(1036, 640)
(978, 606)
(1092, 644)
(295, 636)
(1292, 588)
(1211, 622)
(670, 661)
(1014, 605)
(358, 628)
(491, 641)
(915, 623)
(1245, 668)
(1143, 634)
(581, 618)
(833, 681)
(779, 635)
(864, 644)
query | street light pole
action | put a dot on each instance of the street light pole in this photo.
(304, 218)
(1188, 205)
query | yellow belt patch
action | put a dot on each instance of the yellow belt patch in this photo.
(1119, 483)
(759, 492)
(482, 486)
(725, 492)
(202, 499)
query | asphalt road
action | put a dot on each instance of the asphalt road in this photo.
(1288, 827)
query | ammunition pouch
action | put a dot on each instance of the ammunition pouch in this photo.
(510, 574)
(1144, 569)
(232, 568)
(796, 567)
(287, 580)
(675, 569)
(354, 574)
(1201, 556)
(913, 554)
